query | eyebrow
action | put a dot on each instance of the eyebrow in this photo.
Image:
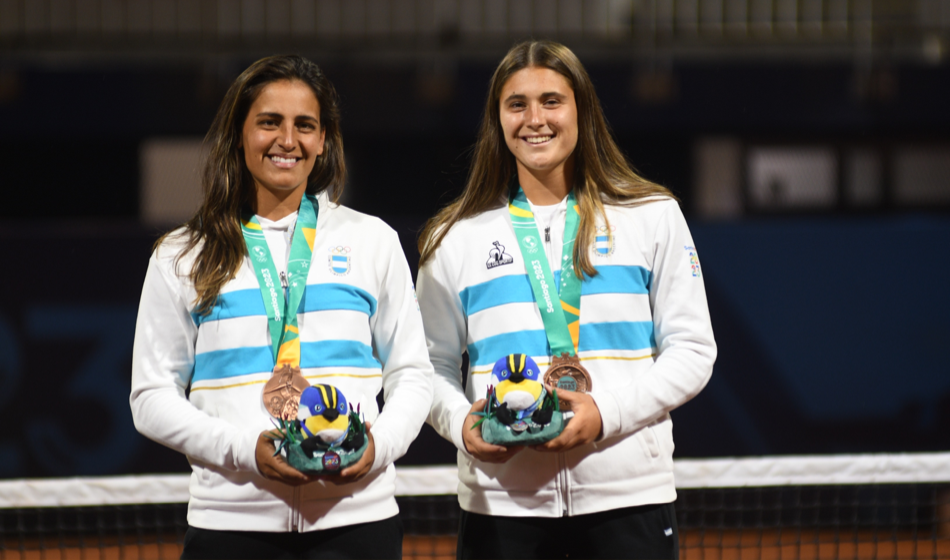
(278, 115)
(543, 95)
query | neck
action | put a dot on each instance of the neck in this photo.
(546, 187)
(276, 205)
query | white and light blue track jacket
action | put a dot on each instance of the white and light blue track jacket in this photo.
(645, 338)
(360, 330)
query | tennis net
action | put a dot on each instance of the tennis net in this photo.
(814, 507)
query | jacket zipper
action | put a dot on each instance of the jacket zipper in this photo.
(295, 512)
(562, 474)
(285, 285)
(563, 485)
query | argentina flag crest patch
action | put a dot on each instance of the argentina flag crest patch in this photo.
(604, 240)
(339, 260)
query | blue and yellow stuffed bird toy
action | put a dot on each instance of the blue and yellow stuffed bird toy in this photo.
(327, 435)
(519, 410)
(323, 415)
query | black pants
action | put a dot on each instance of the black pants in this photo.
(643, 532)
(379, 539)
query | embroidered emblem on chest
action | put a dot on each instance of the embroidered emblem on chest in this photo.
(605, 240)
(497, 256)
(339, 260)
(693, 261)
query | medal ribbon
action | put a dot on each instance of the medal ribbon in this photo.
(561, 315)
(281, 313)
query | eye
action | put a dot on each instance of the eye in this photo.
(318, 408)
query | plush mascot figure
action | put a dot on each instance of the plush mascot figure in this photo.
(327, 435)
(518, 390)
(519, 410)
(324, 417)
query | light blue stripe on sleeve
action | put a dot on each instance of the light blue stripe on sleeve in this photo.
(233, 362)
(239, 303)
(331, 297)
(488, 350)
(617, 279)
(619, 335)
(337, 353)
(515, 288)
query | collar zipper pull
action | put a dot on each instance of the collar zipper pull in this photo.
(547, 234)
(283, 280)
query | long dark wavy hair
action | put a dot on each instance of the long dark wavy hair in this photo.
(228, 185)
(601, 172)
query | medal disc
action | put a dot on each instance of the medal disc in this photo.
(282, 392)
(567, 374)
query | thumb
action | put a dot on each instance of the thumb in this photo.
(564, 394)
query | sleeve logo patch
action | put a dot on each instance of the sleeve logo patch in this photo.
(693, 261)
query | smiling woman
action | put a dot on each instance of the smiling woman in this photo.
(553, 205)
(271, 288)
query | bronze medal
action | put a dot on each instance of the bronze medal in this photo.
(567, 374)
(282, 392)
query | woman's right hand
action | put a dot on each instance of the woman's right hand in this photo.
(274, 467)
(479, 448)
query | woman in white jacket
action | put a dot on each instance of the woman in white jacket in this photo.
(551, 204)
(271, 275)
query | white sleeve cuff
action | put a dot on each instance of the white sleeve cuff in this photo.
(244, 448)
(458, 424)
(609, 413)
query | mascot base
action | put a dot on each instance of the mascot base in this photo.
(494, 432)
(329, 460)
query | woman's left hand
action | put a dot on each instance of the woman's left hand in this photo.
(358, 469)
(585, 427)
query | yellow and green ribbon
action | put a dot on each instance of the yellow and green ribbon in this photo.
(560, 305)
(281, 311)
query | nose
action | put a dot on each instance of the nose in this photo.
(331, 414)
(517, 378)
(287, 139)
(535, 117)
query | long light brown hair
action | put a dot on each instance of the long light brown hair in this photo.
(228, 185)
(601, 172)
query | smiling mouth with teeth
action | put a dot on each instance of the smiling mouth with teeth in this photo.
(538, 139)
(279, 159)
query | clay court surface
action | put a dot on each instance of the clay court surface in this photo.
(695, 545)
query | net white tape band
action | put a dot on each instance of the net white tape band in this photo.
(812, 470)
(443, 479)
